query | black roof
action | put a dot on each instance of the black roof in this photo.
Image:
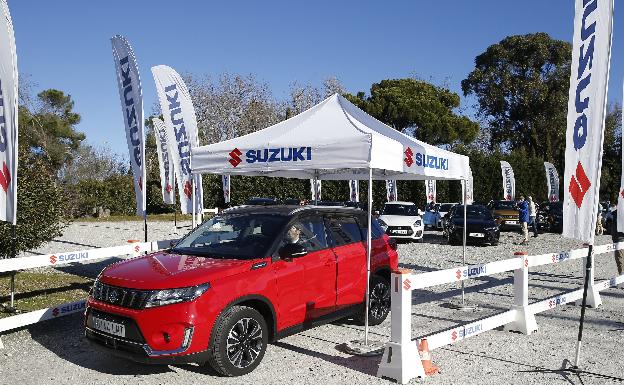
(288, 210)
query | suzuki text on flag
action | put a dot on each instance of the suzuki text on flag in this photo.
(181, 124)
(552, 181)
(591, 51)
(165, 164)
(132, 108)
(509, 181)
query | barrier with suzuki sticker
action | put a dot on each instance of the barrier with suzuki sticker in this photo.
(398, 359)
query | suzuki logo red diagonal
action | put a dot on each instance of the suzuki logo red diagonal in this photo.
(579, 184)
(409, 161)
(406, 284)
(235, 159)
(5, 177)
(188, 189)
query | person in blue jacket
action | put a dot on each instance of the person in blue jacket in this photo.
(523, 210)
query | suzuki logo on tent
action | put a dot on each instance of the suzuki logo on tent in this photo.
(235, 159)
(579, 184)
(409, 161)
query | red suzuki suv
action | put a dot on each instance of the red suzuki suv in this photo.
(247, 276)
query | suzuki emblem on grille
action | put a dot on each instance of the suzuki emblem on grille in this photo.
(113, 296)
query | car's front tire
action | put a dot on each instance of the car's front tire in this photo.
(238, 342)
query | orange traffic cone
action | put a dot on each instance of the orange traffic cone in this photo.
(425, 358)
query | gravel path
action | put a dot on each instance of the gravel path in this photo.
(56, 351)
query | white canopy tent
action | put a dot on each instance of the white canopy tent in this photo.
(333, 140)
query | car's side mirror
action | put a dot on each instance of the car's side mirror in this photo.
(291, 251)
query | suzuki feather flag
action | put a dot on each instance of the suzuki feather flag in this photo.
(315, 190)
(470, 189)
(552, 181)
(181, 124)
(430, 190)
(509, 182)
(8, 118)
(131, 97)
(165, 164)
(591, 51)
(354, 191)
(391, 190)
(620, 204)
(225, 180)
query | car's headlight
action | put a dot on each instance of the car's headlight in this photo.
(491, 228)
(382, 223)
(169, 296)
(418, 223)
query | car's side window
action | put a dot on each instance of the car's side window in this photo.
(377, 232)
(344, 230)
(309, 232)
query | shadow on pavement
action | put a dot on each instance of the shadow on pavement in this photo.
(65, 338)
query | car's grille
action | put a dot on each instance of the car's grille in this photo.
(509, 217)
(119, 296)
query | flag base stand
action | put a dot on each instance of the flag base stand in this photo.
(573, 369)
(460, 305)
(361, 348)
(9, 309)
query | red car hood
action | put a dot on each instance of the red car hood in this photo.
(164, 271)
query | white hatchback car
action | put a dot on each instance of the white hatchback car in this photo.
(400, 220)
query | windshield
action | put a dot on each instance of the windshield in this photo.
(446, 207)
(394, 209)
(480, 212)
(504, 205)
(242, 236)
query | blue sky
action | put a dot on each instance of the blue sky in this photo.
(66, 44)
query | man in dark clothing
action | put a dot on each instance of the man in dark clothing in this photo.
(617, 237)
(523, 210)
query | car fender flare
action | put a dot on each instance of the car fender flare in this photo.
(253, 297)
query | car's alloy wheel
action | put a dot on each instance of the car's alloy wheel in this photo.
(239, 340)
(379, 300)
(244, 342)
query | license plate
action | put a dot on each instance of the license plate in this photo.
(477, 235)
(400, 231)
(511, 222)
(109, 327)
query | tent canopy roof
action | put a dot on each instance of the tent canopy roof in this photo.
(333, 140)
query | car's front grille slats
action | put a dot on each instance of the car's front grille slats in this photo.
(119, 296)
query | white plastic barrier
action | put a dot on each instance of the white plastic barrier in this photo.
(401, 360)
(14, 264)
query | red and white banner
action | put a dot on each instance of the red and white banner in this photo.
(165, 164)
(620, 204)
(391, 190)
(354, 191)
(509, 181)
(430, 191)
(225, 181)
(8, 118)
(131, 96)
(591, 53)
(315, 190)
(181, 124)
(552, 181)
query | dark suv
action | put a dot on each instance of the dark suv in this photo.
(246, 277)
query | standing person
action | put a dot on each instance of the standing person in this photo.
(617, 236)
(532, 216)
(523, 210)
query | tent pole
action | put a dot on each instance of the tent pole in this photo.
(368, 251)
(464, 240)
(194, 198)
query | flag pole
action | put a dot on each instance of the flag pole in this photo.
(588, 267)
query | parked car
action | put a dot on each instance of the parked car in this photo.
(505, 213)
(400, 220)
(550, 217)
(245, 277)
(444, 209)
(480, 225)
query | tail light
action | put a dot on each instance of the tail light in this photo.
(392, 243)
